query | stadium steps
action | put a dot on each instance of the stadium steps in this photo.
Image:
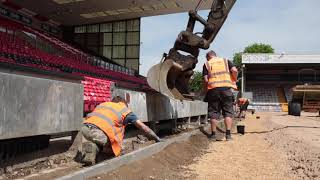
(96, 91)
(288, 93)
(265, 99)
(282, 99)
(18, 47)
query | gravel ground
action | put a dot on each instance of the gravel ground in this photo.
(246, 157)
(167, 164)
(55, 157)
(275, 146)
(300, 140)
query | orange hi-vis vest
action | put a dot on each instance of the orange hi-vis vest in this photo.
(109, 117)
(219, 74)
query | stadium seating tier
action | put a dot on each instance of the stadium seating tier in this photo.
(18, 51)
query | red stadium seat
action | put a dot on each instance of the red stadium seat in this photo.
(17, 50)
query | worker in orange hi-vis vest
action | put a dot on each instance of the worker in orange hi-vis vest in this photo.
(243, 104)
(104, 129)
(220, 77)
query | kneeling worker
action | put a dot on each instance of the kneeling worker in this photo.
(104, 129)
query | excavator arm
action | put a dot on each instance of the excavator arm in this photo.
(171, 76)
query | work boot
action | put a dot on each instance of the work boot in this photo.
(90, 151)
(228, 137)
(212, 137)
(215, 137)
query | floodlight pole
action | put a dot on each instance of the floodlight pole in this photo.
(242, 79)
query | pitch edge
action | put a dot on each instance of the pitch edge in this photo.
(109, 165)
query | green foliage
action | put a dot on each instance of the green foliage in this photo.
(196, 82)
(259, 48)
(237, 59)
(253, 48)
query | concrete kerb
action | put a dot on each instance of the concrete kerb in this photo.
(112, 164)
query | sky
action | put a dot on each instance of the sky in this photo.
(289, 26)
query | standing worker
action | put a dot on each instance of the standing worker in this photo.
(220, 75)
(104, 129)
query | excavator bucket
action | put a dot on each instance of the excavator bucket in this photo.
(171, 76)
(158, 77)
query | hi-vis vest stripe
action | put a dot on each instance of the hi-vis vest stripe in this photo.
(115, 112)
(219, 74)
(109, 121)
(109, 118)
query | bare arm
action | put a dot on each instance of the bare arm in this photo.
(140, 125)
(205, 78)
(204, 85)
(234, 73)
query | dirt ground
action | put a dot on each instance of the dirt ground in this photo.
(299, 138)
(275, 146)
(55, 158)
(163, 165)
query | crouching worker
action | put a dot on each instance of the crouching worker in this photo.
(243, 104)
(104, 129)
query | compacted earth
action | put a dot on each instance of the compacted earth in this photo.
(275, 146)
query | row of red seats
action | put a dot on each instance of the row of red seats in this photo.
(72, 56)
(14, 50)
(96, 91)
(72, 52)
(13, 26)
(28, 51)
(19, 47)
(10, 24)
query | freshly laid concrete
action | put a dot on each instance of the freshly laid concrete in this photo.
(112, 164)
(35, 106)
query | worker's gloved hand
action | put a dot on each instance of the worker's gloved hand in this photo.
(153, 135)
(157, 139)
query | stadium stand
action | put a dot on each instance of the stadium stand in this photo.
(265, 98)
(264, 94)
(288, 93)
(282, 99)
(24, 46)
(96, 91)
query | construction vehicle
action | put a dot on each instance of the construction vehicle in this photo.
(171, 76)
(306, 98)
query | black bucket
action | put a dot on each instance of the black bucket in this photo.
(240, 129)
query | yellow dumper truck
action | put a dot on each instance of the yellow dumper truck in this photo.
(304, 98)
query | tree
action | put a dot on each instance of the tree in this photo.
(259, 48)
(237, 59)
(196, 82)
(253, 48)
